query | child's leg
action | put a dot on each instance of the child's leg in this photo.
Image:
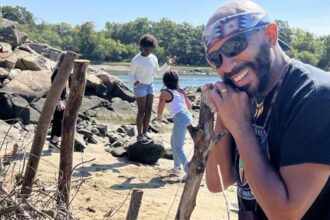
(179, 134)
(57, 124)
(176, 159)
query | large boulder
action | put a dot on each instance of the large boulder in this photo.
(15, 108)
(94, 86)
(119, 112)
(21, 109)
(6, 110)
(44, 50)
(10, 34)
(145, 153)
(29, 84)
(3, 74)
(7, 58)
(115, 87)
(32, 61)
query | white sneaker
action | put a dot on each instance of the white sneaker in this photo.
(175, 170)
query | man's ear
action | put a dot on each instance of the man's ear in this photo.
(272, 34)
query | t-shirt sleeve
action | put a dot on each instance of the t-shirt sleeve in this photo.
(306, 139)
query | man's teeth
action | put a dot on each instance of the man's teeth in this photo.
(240, 76)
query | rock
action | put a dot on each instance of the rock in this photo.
(45, 50)
(29, 84)
(79, 145)
(115, 87)
(34, 116)
(3, 73)
(90, 102)
(28, 61)
(10, 34)
(91, 140)
(117, 144)
(94, 86)
(6, 110)
(21, 109)
(112, 138)
(39, 104)
(91, 113)
(95, 131)
(145, 153)
(7, 59)
(103, 129)
(121, 130)
(118, 152)
(86, 134)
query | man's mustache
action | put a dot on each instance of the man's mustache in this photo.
(227, 76)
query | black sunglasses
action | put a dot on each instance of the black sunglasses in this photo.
(232, 47)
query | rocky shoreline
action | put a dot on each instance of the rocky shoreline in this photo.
(105, 134)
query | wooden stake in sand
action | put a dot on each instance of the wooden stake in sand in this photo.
(135, 204)
(204, 140)
(65, 65)
(68, 129)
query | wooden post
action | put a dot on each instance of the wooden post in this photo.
(204, 140)
(68, 129)
(134, 205)
(65, 66)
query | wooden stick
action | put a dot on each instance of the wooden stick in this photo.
(65, 67)
(134, 205)
(68, 129)
(204, 140)
(18, 205)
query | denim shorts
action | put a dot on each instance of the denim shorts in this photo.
(143, 90)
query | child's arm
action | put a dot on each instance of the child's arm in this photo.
(188, 103)
(186, 100)
(164, 96)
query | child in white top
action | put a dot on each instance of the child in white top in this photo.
(144, 67)
(178, 105)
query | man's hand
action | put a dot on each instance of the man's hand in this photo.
(60, 105)
(171, 60)
(232, 106)
(136, 84)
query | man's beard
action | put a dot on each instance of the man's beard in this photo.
(261, 66)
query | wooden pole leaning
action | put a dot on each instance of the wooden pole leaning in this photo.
(204, 140)
(70, 115)
(134, 205)
(65, 65)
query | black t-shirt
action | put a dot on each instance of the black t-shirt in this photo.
(298, 131)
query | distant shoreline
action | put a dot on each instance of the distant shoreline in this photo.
(191, 71)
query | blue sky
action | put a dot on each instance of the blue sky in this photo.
(310, 15)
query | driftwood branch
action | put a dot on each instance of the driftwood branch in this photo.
(68, 129)
(18, 205)
(135, 204)
(204, 140)
(65, 66)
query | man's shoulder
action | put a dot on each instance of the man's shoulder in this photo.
(305, 78)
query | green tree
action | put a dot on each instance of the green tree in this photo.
(19, 14)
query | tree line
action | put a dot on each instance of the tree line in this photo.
(118, 42)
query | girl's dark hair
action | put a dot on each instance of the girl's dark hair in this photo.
(147, 40)
(171, 79)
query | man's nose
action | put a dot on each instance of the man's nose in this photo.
(227, 66)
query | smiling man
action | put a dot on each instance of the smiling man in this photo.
(276, 111)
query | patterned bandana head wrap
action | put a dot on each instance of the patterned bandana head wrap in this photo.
(232, 25)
